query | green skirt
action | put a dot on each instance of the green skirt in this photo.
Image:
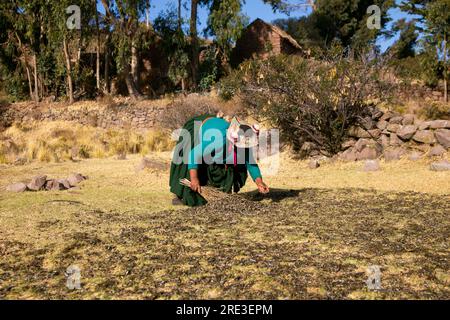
(226, 178)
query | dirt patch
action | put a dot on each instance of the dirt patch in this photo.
(293, 244)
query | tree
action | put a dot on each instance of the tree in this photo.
(434, 16)
(344, 21)
(438, 30)
(404, 47)
(124, 17)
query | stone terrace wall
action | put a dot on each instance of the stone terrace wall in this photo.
(139, 116)
(393, 136)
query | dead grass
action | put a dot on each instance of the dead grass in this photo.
(61, 141)
(312, 238)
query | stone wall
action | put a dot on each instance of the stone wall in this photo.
(393, 136)
(121, 116)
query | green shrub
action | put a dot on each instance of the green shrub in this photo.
(308, 100)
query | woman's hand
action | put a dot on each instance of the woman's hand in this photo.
(195, 183)
(262, 187)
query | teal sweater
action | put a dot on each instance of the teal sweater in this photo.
(209, 143)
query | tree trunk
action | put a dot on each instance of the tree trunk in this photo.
(194, 42)
(445, 70)
(36, 90)
(97, 65)
(69, 72)
(107, 80)
(179, 15)
(147, 13)
(135, 64)
(27, 68)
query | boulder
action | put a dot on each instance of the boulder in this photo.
(17, 187)
(393, 127)
(54, 185)
(384, 141)
(394, 140)
(348, 144)
(382, 125)
(377, 114)
(415, 155)
(396, 120)
(440, 166)
(424, 125)
(362, 143)
(408, 119)
(443, 137)
(368, 153)
(75, 178)
(358, 132)
(424, 136)
(371, 165)
(406, 132)
(348, 155)
(394, 154)
(375, 133)
(314, 164)
(440, 124)
(37, 183)
(65, 183)
(386, 116)
(436, 151)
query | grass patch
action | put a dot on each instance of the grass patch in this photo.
(313, 237)
(61, 141)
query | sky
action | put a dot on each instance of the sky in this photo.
(257, 9)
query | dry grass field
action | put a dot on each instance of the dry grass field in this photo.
(312, 237)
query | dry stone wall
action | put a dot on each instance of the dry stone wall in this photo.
(393, 136)
(123, 116)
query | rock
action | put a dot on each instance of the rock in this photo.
(393, 127)
(371, 165)
(415, 155)
(367, 123)
(386, 116)
(358, 132)
(362, 143)
(54, 185)
(75, 179)
(394, 154)
(65, 183)
(382, 125)
(376, 114)
(436, 151)
(440, 124)
(440, 166)
(406, 132)
(396, 120)
(37, 183)
(17, 187)
(348, 155)
(408, 119)
(424, 136)
(375, 133)
(368, 153)
(384, 141)
(314, 164)
(394, 140)
(424, 125)
(443, 137)
(348, 144)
